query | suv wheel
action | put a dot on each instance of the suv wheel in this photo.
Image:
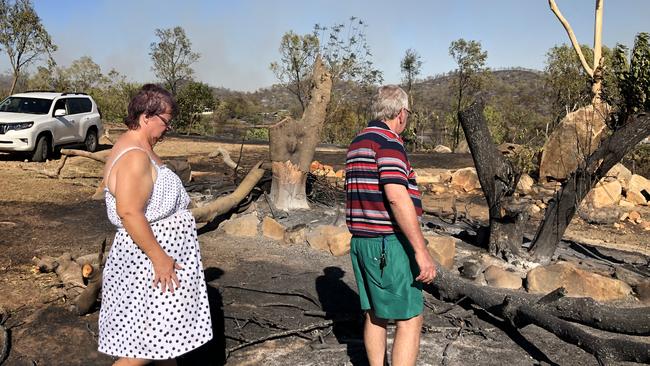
(41, 150)
(91, 140)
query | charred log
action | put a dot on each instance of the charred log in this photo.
(556, 313)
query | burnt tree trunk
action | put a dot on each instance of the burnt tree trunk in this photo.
(292, 144)
(498, 180)
(564, 204)
(558, 315)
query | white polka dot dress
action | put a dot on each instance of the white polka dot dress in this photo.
(137, 320)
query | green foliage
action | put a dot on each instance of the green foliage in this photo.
(297, 56)
(638, 160)
(632, 79)
(496, 124)
(567, 83)
(172, 57)
(111, 92)
(470, 59)
(193, 99)
(526, 159)
(257, 134)
(23, 36)
(411, 66)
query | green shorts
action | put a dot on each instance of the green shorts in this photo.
(393, 294)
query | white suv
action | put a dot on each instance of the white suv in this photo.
(38, 122)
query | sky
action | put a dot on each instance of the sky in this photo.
(237, 40)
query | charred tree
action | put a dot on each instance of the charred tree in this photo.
(293, 143)
(564, 204)
(498, 179)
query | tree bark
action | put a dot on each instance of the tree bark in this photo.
(521, 309)
(293, 143)
(498, 180)
(564, 204)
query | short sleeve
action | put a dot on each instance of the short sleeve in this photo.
(392, 164)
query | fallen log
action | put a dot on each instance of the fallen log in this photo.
(224, 204)
(86, 300)
(97, 156)
(521, 309)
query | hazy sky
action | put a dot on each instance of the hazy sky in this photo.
(238, 39)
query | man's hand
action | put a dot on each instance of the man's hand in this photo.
(427, 267)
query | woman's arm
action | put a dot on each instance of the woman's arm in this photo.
(133, 187)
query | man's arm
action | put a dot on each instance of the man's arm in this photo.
(404, 211)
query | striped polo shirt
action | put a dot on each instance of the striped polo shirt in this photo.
(376, 157)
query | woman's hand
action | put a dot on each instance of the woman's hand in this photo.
(165, 273)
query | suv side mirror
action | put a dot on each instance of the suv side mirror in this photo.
(59, 113)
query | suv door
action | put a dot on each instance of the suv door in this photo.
(65, 130)
(79, 109)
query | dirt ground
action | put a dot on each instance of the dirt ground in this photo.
(256, 286)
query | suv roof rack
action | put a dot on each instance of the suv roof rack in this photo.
(73, 93)
(40, 91)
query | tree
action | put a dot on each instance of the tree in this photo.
(23, 36)
(411, 66)
(567, 82)
(84, 74)
(470, 59)
(595, 70)
(172, 57)
(499, 177)
(193, 99)
(293, 143)
(297, 55)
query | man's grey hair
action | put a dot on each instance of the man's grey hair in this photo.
(388, 102)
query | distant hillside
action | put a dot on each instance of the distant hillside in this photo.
(524, 86)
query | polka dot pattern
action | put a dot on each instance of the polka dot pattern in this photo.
(137, 320)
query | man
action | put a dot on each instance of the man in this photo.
(388, 250)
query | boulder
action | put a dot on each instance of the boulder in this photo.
(241, 226)
(462, 148)
(471, 269)
(273, 229)
(599, 216)
(634, 216)
(577, 136)
(465, 179)
(525, 184)
(334, 239)
(498, 277)
(442, 149)
(577, 282)
(295, 234)
(604, 194)
(442, 249)
(638, 190)
(428, 176)
(621, 173)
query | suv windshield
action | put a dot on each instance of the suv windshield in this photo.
(26, 105)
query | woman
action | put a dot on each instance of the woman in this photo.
(154, 299)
